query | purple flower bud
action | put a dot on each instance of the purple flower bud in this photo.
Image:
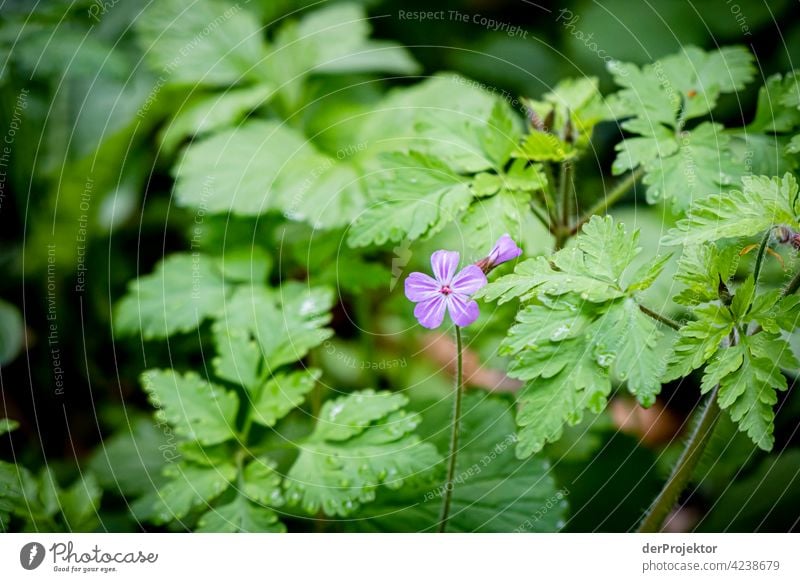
(504, 250)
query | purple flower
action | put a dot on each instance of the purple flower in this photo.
(504, 250)
(445, 290)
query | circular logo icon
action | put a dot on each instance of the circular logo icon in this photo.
(31, 555)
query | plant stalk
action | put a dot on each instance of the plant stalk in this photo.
(684, 468)
(454, 434)
(565, 194)
(668, 321)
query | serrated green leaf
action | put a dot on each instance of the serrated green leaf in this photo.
(212, 113)
(699, 340)
(500, 135)
(702, 164)
(762, 203)
(183, 291)
(263, 166)
(700, 77)
(196, 408)
(416, 195)
(240, 515)
(281, 394)
(348, 416)
(213, 43)
(361, 442)
(493, 492)
(638, 357)
(702, 269)
(190, 486)
(749, 392)
(80, 504)
(286, 323)
(658, 142)
(777, 109)
(330, 40)
(544, 147)
(489, 218)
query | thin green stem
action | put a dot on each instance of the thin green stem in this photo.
(684, 468)
(549, 191)
(602, 206)
(454, 433)
(762, 249)
(565, 199)
(540, 215)
(660, 318)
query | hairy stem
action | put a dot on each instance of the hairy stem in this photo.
(565, 198)
(762, 249)
(601, 206)
(454, 433)
(684, 468)
(660, 318)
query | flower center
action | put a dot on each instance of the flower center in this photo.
(445, 290)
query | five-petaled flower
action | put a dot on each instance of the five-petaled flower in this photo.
(445, 290)
(448, 290)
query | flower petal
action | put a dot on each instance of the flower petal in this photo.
(430, 312)
(444, 265)
(504, 250)
(469, 280)
(462, 310)
(420, 286)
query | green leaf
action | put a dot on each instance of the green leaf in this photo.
(240, 515)
(131, 460)
(699, 340)
(500, 134)
(777, 109)
(565, 378)
(258, 489)
(702, 269)
(212, 43)
(761, 203)
(263, 166)
(493, 492)
(80, 504)
(657, 142)
(489, 218)
(749, 379)
(12, 332)
(643, 93)
(592, 265)
(362, 440)
(286, 323)
(331, 40)
(281, 394)
(698, 169)
(639, 357)
(416, 195)
(245, 265)
(212, 113)
(7, 425)
(700, 77)
(544, 147)
(197, 409)
(183, 290)
(190, 486)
